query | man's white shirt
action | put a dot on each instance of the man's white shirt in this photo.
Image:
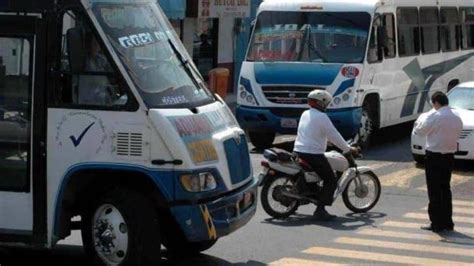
(441, 128)
(314, 130)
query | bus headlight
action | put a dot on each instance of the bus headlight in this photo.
(198, 182)
(246, 97)
(345, 97)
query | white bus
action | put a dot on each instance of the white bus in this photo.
(380, 59)
(106, 127)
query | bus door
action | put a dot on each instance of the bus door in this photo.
(22, 130)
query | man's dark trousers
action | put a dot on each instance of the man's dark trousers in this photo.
(438, 178)
(321, 166)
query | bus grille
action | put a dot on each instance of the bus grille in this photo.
(287, 94)
(238, 159)
(466, 133)
(288, 112)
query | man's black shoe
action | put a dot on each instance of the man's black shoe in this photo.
(431, 228)
(449, 228)
(322, 215)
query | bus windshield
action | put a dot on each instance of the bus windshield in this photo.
(151, 53)
(326, 37)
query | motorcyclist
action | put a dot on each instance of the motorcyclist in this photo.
(314, 130)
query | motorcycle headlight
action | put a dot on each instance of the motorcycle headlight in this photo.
(198, 182)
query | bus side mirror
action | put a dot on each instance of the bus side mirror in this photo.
(75, 49)
(381, 37)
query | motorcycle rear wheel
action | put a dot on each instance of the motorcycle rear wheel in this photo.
(275, 205)
(363, 198)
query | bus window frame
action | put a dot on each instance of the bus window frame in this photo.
(377, 23)
(395, 41)
(462, 25)
(458, 29)
(408, 25)
(422, 25)
(59, 74)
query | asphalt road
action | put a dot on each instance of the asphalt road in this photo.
(389, 234)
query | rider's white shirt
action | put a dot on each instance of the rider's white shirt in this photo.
(314, 130)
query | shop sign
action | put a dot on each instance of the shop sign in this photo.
(224, 8)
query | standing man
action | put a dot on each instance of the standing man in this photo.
(314, 130)
(442, 128)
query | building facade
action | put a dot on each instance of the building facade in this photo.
(215, 32)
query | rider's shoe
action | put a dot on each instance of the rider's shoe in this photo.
(322, 215)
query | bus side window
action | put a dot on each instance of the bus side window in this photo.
(450, 33)
(376, 42)
(467, 20)
(408, 31)
(88, 80)
(429, 21)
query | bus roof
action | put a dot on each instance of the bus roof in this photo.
(319, 5)
(352, 5)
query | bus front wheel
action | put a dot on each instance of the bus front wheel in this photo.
(121, 228)
(367, 126)
(262, 140)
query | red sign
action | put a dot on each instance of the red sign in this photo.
(350, 72)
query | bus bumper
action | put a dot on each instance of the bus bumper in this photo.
(219, 217)
(346, 120)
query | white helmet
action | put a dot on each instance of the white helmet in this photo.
(323, 97)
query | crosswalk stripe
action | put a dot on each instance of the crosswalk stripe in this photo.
(400, 178)
(463, 203)
(459, 178)
(459, 210)
(301, 262)
(424, 216)
(379, 257)
(416, 236)
(405, 246)
(381, 165)
(464, 230)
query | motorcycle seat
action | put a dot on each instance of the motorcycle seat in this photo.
(275, 154)
(305, 165)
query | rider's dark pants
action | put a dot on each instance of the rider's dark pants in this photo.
(324, 170)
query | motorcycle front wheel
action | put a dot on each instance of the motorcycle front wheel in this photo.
(362, 194)
(273, 202)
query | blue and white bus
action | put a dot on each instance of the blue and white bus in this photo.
(107, 128)
(380, 59)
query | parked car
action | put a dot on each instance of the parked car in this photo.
(461, 99)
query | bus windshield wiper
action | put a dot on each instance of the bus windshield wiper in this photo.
(185, 63)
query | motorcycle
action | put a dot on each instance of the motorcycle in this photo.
(289, 182)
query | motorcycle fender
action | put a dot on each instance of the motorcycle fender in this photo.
(348, 176)
(263, 178)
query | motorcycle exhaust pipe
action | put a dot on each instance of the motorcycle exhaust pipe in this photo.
(298, 197)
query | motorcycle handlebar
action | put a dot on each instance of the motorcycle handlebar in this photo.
(350, 159)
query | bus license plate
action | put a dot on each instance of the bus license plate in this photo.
(289, 123)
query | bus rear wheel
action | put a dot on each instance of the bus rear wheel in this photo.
(121, 228)
(262, 140)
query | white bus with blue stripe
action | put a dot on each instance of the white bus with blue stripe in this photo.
(107, 127)
(380, 59)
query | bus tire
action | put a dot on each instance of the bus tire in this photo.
(262, 140)
(367, 125)
(122, 228)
